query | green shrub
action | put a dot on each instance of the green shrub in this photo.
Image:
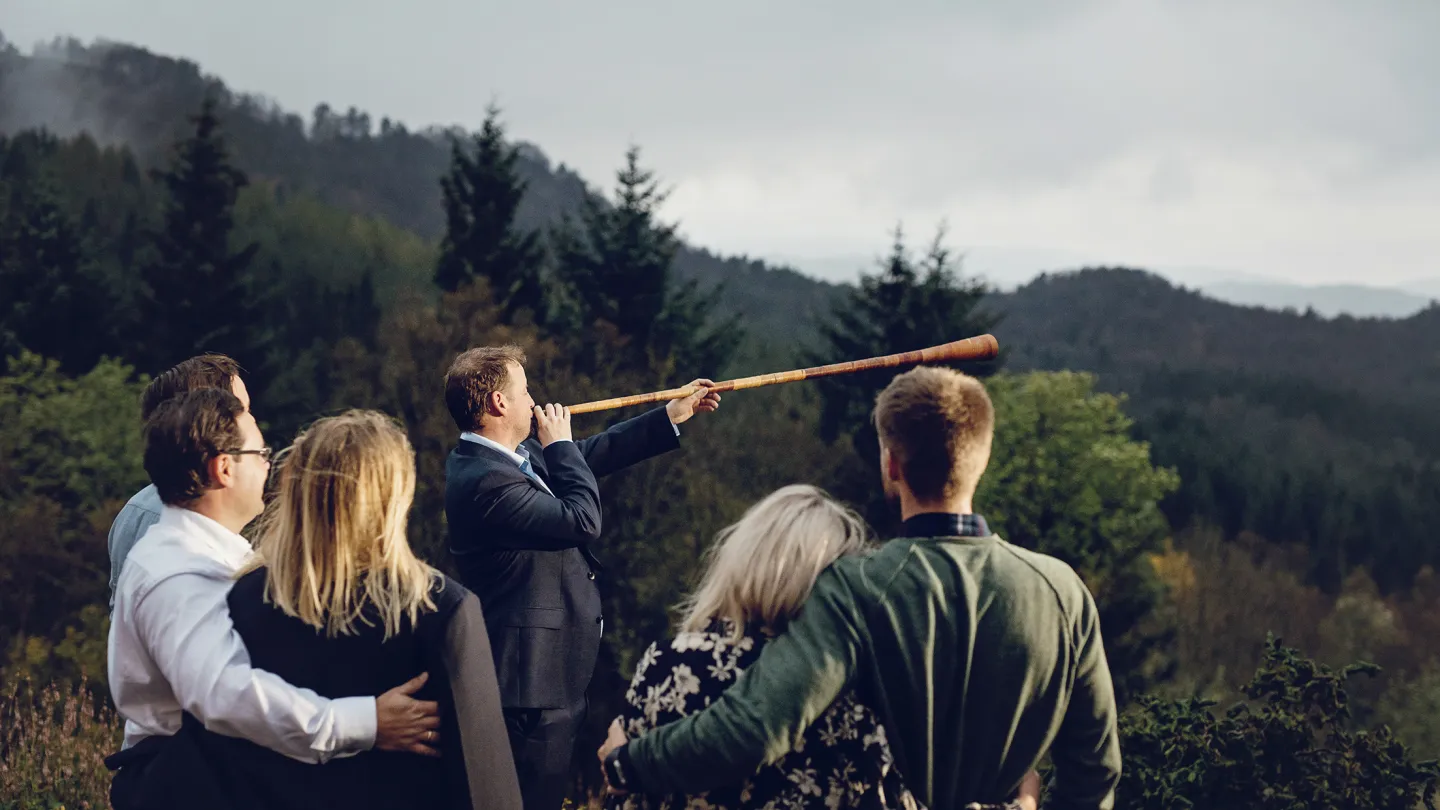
(1289, 747)
(1411, 707)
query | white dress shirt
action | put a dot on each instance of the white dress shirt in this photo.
(173, 648)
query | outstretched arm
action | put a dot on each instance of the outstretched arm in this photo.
(647, 435)
(763, 716)
(629, 442)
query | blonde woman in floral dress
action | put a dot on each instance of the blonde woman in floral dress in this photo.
(758, 574)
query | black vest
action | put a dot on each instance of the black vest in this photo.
(363, 664)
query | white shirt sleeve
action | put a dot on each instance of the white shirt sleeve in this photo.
(192, 640)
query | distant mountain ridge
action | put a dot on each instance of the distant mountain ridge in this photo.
(1007, 268)
(1429, 287)
(1330, 300)
(1127, 322)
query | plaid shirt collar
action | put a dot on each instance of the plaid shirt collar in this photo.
(945, 524)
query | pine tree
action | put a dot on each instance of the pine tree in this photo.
(199, 294)
(617, 268)
(360, 312)
(906, 306)
(50, 300)
(482, 193)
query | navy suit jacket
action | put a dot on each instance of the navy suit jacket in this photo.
(526, 553)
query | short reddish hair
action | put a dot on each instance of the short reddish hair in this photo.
(473, 377)
(940, 424)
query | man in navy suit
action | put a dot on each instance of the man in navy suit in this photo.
(523, 512)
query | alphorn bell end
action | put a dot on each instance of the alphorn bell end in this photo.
(980, 347)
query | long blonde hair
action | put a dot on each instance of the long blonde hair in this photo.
(333, 537)
(763, 566)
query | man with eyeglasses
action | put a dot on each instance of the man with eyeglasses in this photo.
(143, 508)
(174, 655)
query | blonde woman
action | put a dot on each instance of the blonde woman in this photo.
(337, 602)
(757, 575)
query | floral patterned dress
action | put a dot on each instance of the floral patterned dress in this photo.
(843, 761)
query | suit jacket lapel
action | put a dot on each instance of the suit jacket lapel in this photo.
(537, 463)
(493, 456)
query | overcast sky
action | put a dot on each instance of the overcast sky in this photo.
(1298, 139)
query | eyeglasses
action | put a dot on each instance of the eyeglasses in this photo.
(264, 453)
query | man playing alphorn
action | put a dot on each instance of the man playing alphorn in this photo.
(522, 514)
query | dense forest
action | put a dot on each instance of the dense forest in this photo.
(1217, 473)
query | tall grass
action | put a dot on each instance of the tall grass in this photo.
(53, 743)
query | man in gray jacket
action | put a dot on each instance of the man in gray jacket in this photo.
(143, 508)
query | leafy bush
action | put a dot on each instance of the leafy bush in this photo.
(1290, 747)
(1412, 708)
(70, 455)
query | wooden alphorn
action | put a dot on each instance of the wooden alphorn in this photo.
(982, 347)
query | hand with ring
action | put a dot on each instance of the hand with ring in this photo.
(403, 723)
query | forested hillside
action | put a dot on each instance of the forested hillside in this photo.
(1323, 432)
(119, 94)
(1214, 472)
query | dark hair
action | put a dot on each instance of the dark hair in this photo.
(940, 423)
(181, 437)
(203, 371)
(473, 377)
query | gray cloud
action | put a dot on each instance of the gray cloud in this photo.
(1171, 181)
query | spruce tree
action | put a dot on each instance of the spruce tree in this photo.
(50, 300)
(907, 305)
(481, 194)
(616, 265)
(198, 293)
(359, 311)
(627, 323)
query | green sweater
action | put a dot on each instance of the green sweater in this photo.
(979, 656)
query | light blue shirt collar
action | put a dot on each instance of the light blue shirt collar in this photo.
(494, 445)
